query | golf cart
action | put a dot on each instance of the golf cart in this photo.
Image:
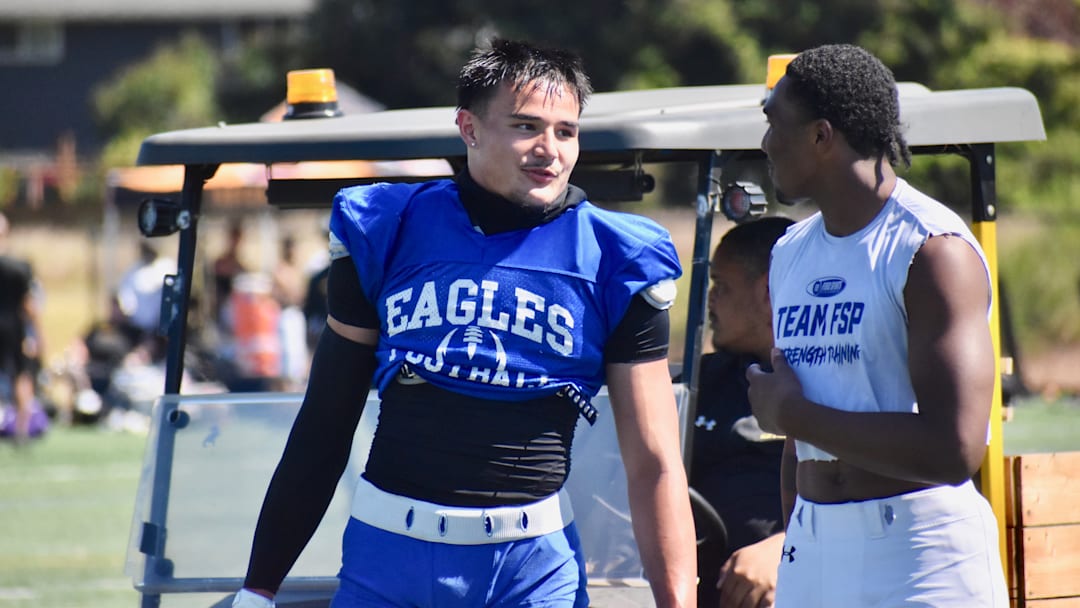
(209, 457)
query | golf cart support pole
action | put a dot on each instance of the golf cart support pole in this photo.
(699, 293)
(983, 223)
(174, 308)
(178, 290)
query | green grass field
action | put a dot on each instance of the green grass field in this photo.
(66, 503)
(1041, 426)
(65, 510)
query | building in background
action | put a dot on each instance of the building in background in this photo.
(54, 52)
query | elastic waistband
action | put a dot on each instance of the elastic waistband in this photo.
(459, 525)
(874, 518)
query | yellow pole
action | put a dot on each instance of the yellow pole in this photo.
(992, 472)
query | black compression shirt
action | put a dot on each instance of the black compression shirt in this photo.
(470, 452)
(474, 452)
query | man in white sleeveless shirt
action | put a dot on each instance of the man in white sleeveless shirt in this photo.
(883, 372)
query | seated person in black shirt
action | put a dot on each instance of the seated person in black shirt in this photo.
(736, 465)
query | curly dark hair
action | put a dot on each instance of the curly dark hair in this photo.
(856, 93)
(520, 63)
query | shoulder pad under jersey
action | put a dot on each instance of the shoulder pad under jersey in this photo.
(660, 295)
(337, 248)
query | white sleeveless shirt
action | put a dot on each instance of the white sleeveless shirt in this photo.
(838, 304)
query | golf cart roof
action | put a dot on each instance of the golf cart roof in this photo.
(660, 122)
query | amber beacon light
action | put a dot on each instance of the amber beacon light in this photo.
(775, 70)
(311, 94)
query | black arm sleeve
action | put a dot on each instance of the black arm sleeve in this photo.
(314, 458)
(642, 335)
(345, 299)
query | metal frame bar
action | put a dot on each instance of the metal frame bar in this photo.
(175, 302)
(981, 160)
(699, 292)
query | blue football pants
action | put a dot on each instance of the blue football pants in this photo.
(383, 569)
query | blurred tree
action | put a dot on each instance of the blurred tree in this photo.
(172, 89)
(789, 26)
(252, 79)
(625, 44)
(922, 39)
(1045, 19)
(641, 44)
(402, 54)
(1050, 70)
(913, 37)
(1034, 176)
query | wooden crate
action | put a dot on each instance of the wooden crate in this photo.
(1043, 528)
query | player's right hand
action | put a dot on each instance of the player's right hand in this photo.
(773, 393)
(250, 599)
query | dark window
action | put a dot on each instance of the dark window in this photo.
(31, 43)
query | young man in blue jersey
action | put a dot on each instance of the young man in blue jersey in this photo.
(487, 310)
(883, 371)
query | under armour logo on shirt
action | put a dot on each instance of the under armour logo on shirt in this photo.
(707, 424)
(788, 553)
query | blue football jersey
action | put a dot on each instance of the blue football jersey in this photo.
(511, 316)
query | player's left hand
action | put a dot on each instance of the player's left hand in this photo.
(771, 392)
(748, 577)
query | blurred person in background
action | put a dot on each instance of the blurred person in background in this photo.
(21, 416)
(315, 305)
(289, 288)
(138, 300)
(314, 308)
(736, 465)
(223, 271)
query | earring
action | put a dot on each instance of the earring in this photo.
(473, 143)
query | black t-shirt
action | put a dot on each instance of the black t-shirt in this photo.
(736, 466)
(16, 278)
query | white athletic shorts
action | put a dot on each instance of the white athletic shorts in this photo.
(934, 548)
